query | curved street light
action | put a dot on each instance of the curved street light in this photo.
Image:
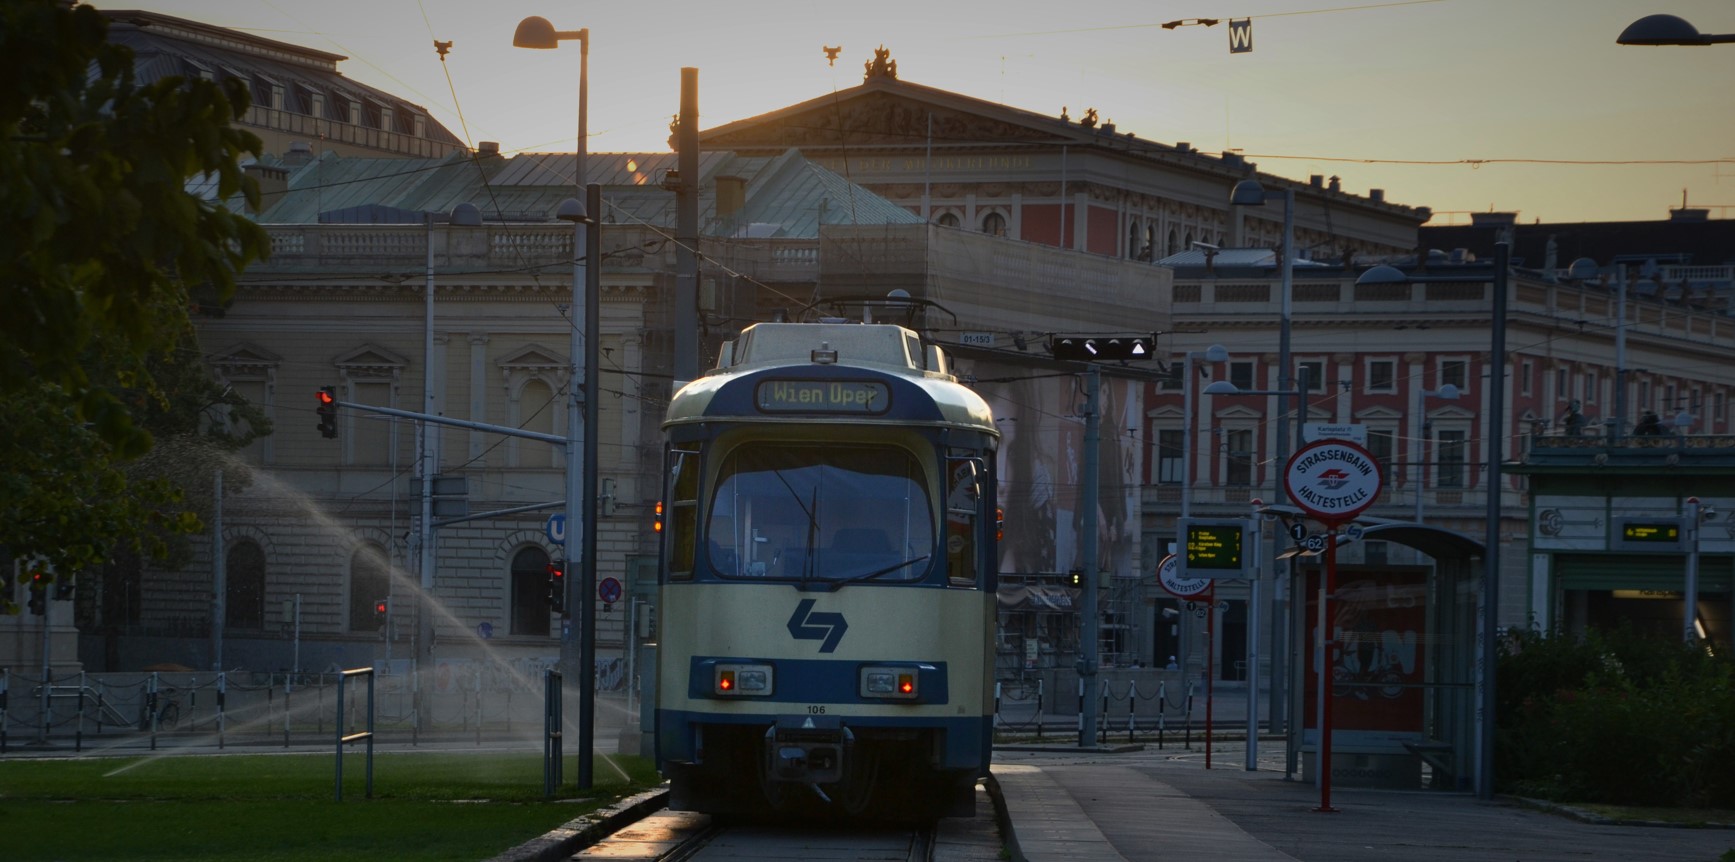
(1668, 30)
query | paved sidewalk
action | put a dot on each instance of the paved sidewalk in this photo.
(1147, 806)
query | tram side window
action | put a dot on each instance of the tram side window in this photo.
(963, 513)
(683, 515)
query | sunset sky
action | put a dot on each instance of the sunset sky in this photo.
(1464, 106)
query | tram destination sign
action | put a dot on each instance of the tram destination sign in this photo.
(1650, 534)
(1212, 549)
(823, 396)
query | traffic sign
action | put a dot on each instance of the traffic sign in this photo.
(1169, 576)
(1333, 480)
(609, 590)
(556, 529)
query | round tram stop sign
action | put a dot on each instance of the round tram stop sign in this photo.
(1333, 480)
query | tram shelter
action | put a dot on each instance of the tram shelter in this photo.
(1404, 677)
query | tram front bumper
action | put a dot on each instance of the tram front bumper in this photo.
(807, 749)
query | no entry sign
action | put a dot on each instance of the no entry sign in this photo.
(1333, 480)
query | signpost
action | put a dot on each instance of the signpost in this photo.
(1333, 481)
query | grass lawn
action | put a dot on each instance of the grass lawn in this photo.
(426, 806)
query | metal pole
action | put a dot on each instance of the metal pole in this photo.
(425, 468)
(687, 233)
(1491, 552)
(1690, 601)
(1280, 569)
(1620, 428)
(1253, 660)
(587, 566)
(1327, 645)
(219, 572)
(571, 665)
(1088, 633)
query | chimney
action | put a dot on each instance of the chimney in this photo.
(1335, 184)
(1689, 215)
(1493, 219)
(487, 149)
(1317, 181)
(273, 183)
(731, 195)
(1378, 196)
(300, 153)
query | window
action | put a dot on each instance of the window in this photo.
(835, 512)
(994, 224)
(1241, 375)
(1560, 390)
(1239, 457)
(244, 586)
(1134, 252)
(1455, 372)
(369, 581)
(1591, 387)
(1169, 465)
(1381, 443)
(947, 220)
(683, 514)
(1449, 448)
(1526, 370)
(529, 600)
(1174, 243)
(1169, 377)
(1382, 375)
(1311, 372)
(964, 478)
(1719, 411)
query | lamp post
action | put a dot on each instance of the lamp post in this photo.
(1668, 30)
(1419, 442)
(1495, 437)
(1278, 652)
(1249, 193)
(581, 404)
(1214, 353)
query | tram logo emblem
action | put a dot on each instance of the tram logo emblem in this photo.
(1333, 479)
(804, 625)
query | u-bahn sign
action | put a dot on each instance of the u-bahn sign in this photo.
(1333, 480)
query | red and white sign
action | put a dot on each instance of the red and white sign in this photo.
(1333, 480)
(1168, 575)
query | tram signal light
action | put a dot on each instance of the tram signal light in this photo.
(557, 587)
(328, 412)
(1100, 348)
(657, 518)
(382, 609)
(1075, 578)
(38, 593)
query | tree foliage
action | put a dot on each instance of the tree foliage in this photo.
(100, 242)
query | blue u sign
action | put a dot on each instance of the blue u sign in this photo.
(557, 529)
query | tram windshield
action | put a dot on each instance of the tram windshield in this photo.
(833, 513)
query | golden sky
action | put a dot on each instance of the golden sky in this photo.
(1526, 106)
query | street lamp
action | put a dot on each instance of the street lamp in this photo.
(1668, 30)
(581, 402)
(1249, 193)
(1419, 442)
(1495, 436)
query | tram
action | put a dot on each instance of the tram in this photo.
(827, 578)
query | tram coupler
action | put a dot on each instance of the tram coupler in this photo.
(807, 749)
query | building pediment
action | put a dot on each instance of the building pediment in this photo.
(886, 112)
(533, 357)
(245, 355)
(371, 357)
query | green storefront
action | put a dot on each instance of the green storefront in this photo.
(1630, 531)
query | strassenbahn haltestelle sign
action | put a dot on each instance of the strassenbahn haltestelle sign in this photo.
(1333, 480)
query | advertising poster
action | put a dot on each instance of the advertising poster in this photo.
(1380, 619)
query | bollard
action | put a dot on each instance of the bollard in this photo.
(78, 728)
(1081, 704)
(997, 703)
(1103, 730)
(151, 708)
(222, 704)
(1039, 684)
(1189, 725)
(1162, 711)
(1132, 708)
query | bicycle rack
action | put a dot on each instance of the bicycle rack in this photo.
(367, 735)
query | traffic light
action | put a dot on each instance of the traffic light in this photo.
(38, 593)
(382, 609)
(657, 518)
(1100, 348)
(1075, 578)
(328, 412)
(557, 587)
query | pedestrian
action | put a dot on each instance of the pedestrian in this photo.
(1650, 425)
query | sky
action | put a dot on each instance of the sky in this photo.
(1463, 106)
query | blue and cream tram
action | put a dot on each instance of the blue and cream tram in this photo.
(827, 585)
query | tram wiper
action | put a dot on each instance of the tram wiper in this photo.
(878, 572)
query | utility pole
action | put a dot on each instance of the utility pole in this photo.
(1088, 633)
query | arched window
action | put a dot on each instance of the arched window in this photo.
(1133, 234)
(244, 590)
(947, 220)
(1151, 241)
(1174, 244)
(994, 224)
(370, 579)
(529, 599)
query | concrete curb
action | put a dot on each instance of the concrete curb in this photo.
(1003, 819)
(1586, 816)
(581, 832)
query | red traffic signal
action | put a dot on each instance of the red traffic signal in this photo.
(382, 607)
(327, 412)
(557, 587)
(38, 593)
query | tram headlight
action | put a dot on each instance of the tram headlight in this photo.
(894, 683)
(742, 680)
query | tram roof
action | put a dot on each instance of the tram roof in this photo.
(883, 348)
